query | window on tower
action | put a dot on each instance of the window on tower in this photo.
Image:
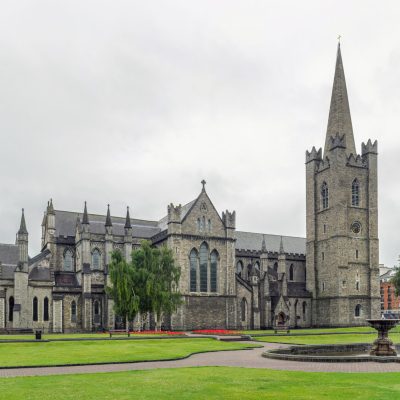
(355, 193)
(325, 195)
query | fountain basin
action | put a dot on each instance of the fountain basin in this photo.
(383, 346)
(355, 352)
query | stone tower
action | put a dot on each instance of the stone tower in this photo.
(342, 220)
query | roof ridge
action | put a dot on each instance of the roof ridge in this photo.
(272, 234)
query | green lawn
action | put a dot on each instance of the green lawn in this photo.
(325, 339)
(205, 383)
(94, 351)
(78, 336)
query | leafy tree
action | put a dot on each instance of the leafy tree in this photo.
(122, 289)
(157, 277)
(396, 280)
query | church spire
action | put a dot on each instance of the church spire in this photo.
(339, 121)
(22, 227)
(128, 219)
(108, 218)
(85, 218)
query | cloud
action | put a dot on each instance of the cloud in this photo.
(133, 103)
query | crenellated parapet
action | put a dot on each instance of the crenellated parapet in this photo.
(337, 142)
(369, 148)
(323, 165)
(313, 155)
(174, 213)
(356, 161)
(229, 219)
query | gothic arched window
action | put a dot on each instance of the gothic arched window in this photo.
(325, 195)
(276, 267)
(355, 193)
(203, 267)
(46, 309)
(239, 268)
(68, 261)
(243, 309)
(357, 311)
(10, 308)
(193, 270)
(35, 309)
(96, 259)
(291, 272)
(213, 270)
(304, 310)
(73, 311)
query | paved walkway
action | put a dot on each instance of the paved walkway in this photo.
(239, 358)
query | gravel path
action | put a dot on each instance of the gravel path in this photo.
(239, 358)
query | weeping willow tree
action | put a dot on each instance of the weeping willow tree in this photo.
(146, 284)
(157, 277)
(123, 288)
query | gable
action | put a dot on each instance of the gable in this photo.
(202, 214)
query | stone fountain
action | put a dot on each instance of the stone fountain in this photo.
(383, 346)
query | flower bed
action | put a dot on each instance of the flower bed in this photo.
(156, 333)
(216, 332)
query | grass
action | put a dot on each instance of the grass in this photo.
(94, 351)
(324, 339)
(77, 336)
(205, 383)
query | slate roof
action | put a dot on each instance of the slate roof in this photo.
(297, 289)
(66, 223)
(253, 241)
(40, 274)
(9, 254)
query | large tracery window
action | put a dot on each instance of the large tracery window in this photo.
(325, 195)
(355, 193)
(203, 267)
(193, 270)
(68, 261)
(203, 270)
(96, 259)
(213, 271)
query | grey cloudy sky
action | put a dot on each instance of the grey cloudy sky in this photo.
(134, 102)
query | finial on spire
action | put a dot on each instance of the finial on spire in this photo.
(22, 226)
(338, 38)
(85, 218)
(108, 218)
(203, 182)
(128, 219)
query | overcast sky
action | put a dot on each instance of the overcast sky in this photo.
(135, 102)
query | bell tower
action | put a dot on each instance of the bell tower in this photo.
(342, 220)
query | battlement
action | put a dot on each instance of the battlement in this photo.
(174, 213)
(337, 141)
(369, 147)
(323, 164)
(313, 155)
(356, 161)
(229, 219)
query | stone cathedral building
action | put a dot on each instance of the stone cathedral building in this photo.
(229, 278)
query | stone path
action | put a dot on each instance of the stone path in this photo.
(239, 358)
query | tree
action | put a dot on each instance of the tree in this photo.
(122, 289)
(156, 276)
(396, 280)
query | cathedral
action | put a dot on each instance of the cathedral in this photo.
(229, 278)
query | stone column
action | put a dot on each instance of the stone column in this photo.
(57, 314)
